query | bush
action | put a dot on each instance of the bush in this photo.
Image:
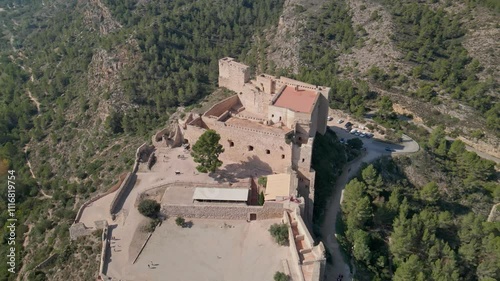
(280, 233)
(262, 198)
(262, 181)
(180, 221)
(151, 226)
(280, 276)
(149, 208)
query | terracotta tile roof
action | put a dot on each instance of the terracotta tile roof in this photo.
(297, 100)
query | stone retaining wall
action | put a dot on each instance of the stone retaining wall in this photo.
(222, 212)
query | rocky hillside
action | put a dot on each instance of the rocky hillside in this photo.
(452, 80)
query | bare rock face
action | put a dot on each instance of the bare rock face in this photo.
(481, 41)
(378, 49)
(104, 75)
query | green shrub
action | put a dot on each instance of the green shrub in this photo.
(280, 233)
(280, 276)
(263, 181)
(180, 221)
(149, 208)
(262, 198)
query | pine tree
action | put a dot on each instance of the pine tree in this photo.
(206, 152)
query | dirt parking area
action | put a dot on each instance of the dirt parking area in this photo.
(209, 250)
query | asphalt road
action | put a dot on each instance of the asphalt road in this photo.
(374, 150)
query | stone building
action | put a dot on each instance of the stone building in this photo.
(270, 122)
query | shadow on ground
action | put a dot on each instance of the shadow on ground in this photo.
(252, 167)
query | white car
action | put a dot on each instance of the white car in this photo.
(340, 121)
(330, 118)
(362, 135)
(353, 131)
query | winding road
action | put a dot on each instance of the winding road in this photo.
(374, 150)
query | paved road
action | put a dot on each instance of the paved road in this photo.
(374, 150)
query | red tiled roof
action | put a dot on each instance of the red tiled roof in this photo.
(297, 100)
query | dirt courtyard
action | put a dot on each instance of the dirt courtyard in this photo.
(208, 251)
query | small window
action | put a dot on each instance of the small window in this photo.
(272, 115)
(280, 118)
(282, 156)
(250, 148)
(300, 139)
(231, 143)
(268, 151)
(303, 160)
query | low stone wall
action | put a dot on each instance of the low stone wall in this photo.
(222, 212)
(124, 188)
(84, 205)
(104, 253)
(47, 261)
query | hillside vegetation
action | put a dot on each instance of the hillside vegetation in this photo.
(107, 74)
(423, 217)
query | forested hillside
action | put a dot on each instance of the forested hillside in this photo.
(423, 217)
(106, 75)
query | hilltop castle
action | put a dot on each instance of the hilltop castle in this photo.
(270, 119)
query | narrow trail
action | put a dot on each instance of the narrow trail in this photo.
(33, 99)
(492, 212)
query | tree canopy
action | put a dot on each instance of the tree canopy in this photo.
(206, 152)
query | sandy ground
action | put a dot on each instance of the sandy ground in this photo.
(208, 251)
(129, 237)
(98, 210)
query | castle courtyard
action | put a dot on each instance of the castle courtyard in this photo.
(210, 250)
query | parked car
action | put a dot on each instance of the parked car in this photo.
(340, 121)
(362, 135)
(389, 149)
(330, 118)
(348, 124)
(353, 131)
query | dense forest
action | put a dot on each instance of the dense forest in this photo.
(436, 229)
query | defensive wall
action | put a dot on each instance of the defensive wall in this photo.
(309, 261)
(265, 147)
(294, 253)
(124, 190)
(223, 106)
